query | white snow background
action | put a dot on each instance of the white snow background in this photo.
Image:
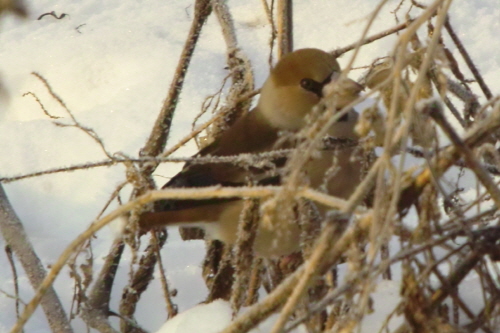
(113, 72)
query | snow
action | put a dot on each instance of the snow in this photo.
(112, 62)
(211, 318)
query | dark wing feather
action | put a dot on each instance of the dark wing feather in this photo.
(249, 134)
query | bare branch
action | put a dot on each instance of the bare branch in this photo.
(468, 60)
(14, 235)
(158, 137)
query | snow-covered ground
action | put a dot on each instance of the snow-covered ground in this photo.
(112, 63)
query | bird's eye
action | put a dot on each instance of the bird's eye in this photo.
(312, 86)
(307, 84)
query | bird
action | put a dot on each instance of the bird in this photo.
(294, 87)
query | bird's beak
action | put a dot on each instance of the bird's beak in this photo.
(344, 92)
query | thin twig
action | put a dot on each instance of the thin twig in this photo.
(468, 59)
(10, 257)
(371, 39)
(171, 307)
(436, 113)
(284, 13)
(29, 93)
(90, 132)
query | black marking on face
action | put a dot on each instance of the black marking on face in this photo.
(315, 86)
(312, 86)
(327, 80)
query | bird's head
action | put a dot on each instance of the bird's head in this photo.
(295, 86)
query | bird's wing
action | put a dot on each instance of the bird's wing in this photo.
(249, 134)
